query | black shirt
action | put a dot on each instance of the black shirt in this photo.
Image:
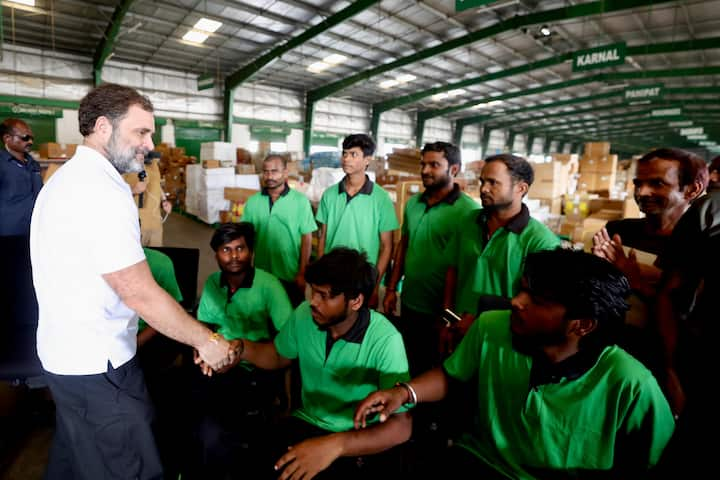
(20, 184)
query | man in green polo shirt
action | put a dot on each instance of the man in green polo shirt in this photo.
(345, 351)
(556, 398)
(492, 243)
(356, 213)
(429, 223)
(284, 223)
(230, 409)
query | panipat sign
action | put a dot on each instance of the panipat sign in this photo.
(599, 57)
(641, 93)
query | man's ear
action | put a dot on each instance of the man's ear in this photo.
(523, 187)
(581, 327)
(357, 302)
(103, 126)
(694, 190)
(454, 169)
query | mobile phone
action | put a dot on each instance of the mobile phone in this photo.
(450, 317)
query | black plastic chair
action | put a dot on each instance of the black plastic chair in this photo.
(19, 363)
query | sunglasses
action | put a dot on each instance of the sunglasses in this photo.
(24, 138)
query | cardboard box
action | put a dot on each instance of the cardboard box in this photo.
(211, 164)
(57, 150)
(237, 194)
(243, 156)
(244, 169)
(554, 204)
(596, 149)
(596, 182)
(551, 180)
(605, 164)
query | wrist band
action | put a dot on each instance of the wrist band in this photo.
(411, 393)
(215, 337)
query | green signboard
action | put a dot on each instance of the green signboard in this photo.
(644, 93)
(692, 131)
(599, 57)
(326, 139)
(205, 81)
(268, 133)
(681, 123)
(666, 112)
(461, 5)
(19, 109)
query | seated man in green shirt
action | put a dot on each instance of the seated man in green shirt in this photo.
(491, 244)
(283, 220)
(356, 213)
(345, 351)
(556, 398)
(232, 407)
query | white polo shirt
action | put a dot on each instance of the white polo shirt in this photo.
(85, 224)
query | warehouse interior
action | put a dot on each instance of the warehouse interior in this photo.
(580, 88)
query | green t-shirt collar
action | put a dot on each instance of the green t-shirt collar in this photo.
(516, 224)
(543, 371)
(356, 334)
(246, 283)
(366, 189)
(264, 191)
(450, 198)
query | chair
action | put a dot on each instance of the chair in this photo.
(185, 261)
(19, 363)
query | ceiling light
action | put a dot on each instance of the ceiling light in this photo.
(439, 96)
(195, 36)
(318, 67)
(335, 59)
(493, 103)
(545, 31)
(388, 83)
(29, 3)
(457, 91)
(207, 25)
(408, 77)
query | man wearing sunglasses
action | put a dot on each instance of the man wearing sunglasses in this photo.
(20, 179)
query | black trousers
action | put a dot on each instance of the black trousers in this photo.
(421, 336)
(104, 426)
(229, 418)
(383, 465)
(295, 294)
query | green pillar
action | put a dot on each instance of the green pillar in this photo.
(375, 124)
(419, 129)
(458, 132)
(228, 99)
(510, 141)
(484, 141)
(529, 144)
(307, 130)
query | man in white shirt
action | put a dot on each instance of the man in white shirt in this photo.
(92, 281)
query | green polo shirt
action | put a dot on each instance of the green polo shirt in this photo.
(163, 272)
(429, 230)
(337, 375)
(614, 409)
(258, 309)
(494, 266)
(357, 221)
(279, 228)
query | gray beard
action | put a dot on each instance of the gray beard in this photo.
(124, 161)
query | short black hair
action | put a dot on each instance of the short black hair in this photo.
(519, 168)
(366, 144)
(450, 151)
(227, 232)
(692, 167)
(586, 285)
(346, 271)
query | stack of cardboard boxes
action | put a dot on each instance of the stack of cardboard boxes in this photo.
(53, 155)
(597, 169)
(173, 163)
(553, 180)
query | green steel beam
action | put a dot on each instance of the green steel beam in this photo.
(511, 24)
(247, 71)
(546, 145)
(43, 102)
(107, 43)
(375, 124)
(669, 47)
(239, 76)
(600, 77)
(457, 134)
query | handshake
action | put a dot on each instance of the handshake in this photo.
(218, 355)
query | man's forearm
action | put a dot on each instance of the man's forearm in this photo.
(398, 263)
(262, 354)
(377, 438)
(321, 240)
(450, 284)
(384, 254)
(305, 251)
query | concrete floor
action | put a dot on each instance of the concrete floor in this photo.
(26, 415)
